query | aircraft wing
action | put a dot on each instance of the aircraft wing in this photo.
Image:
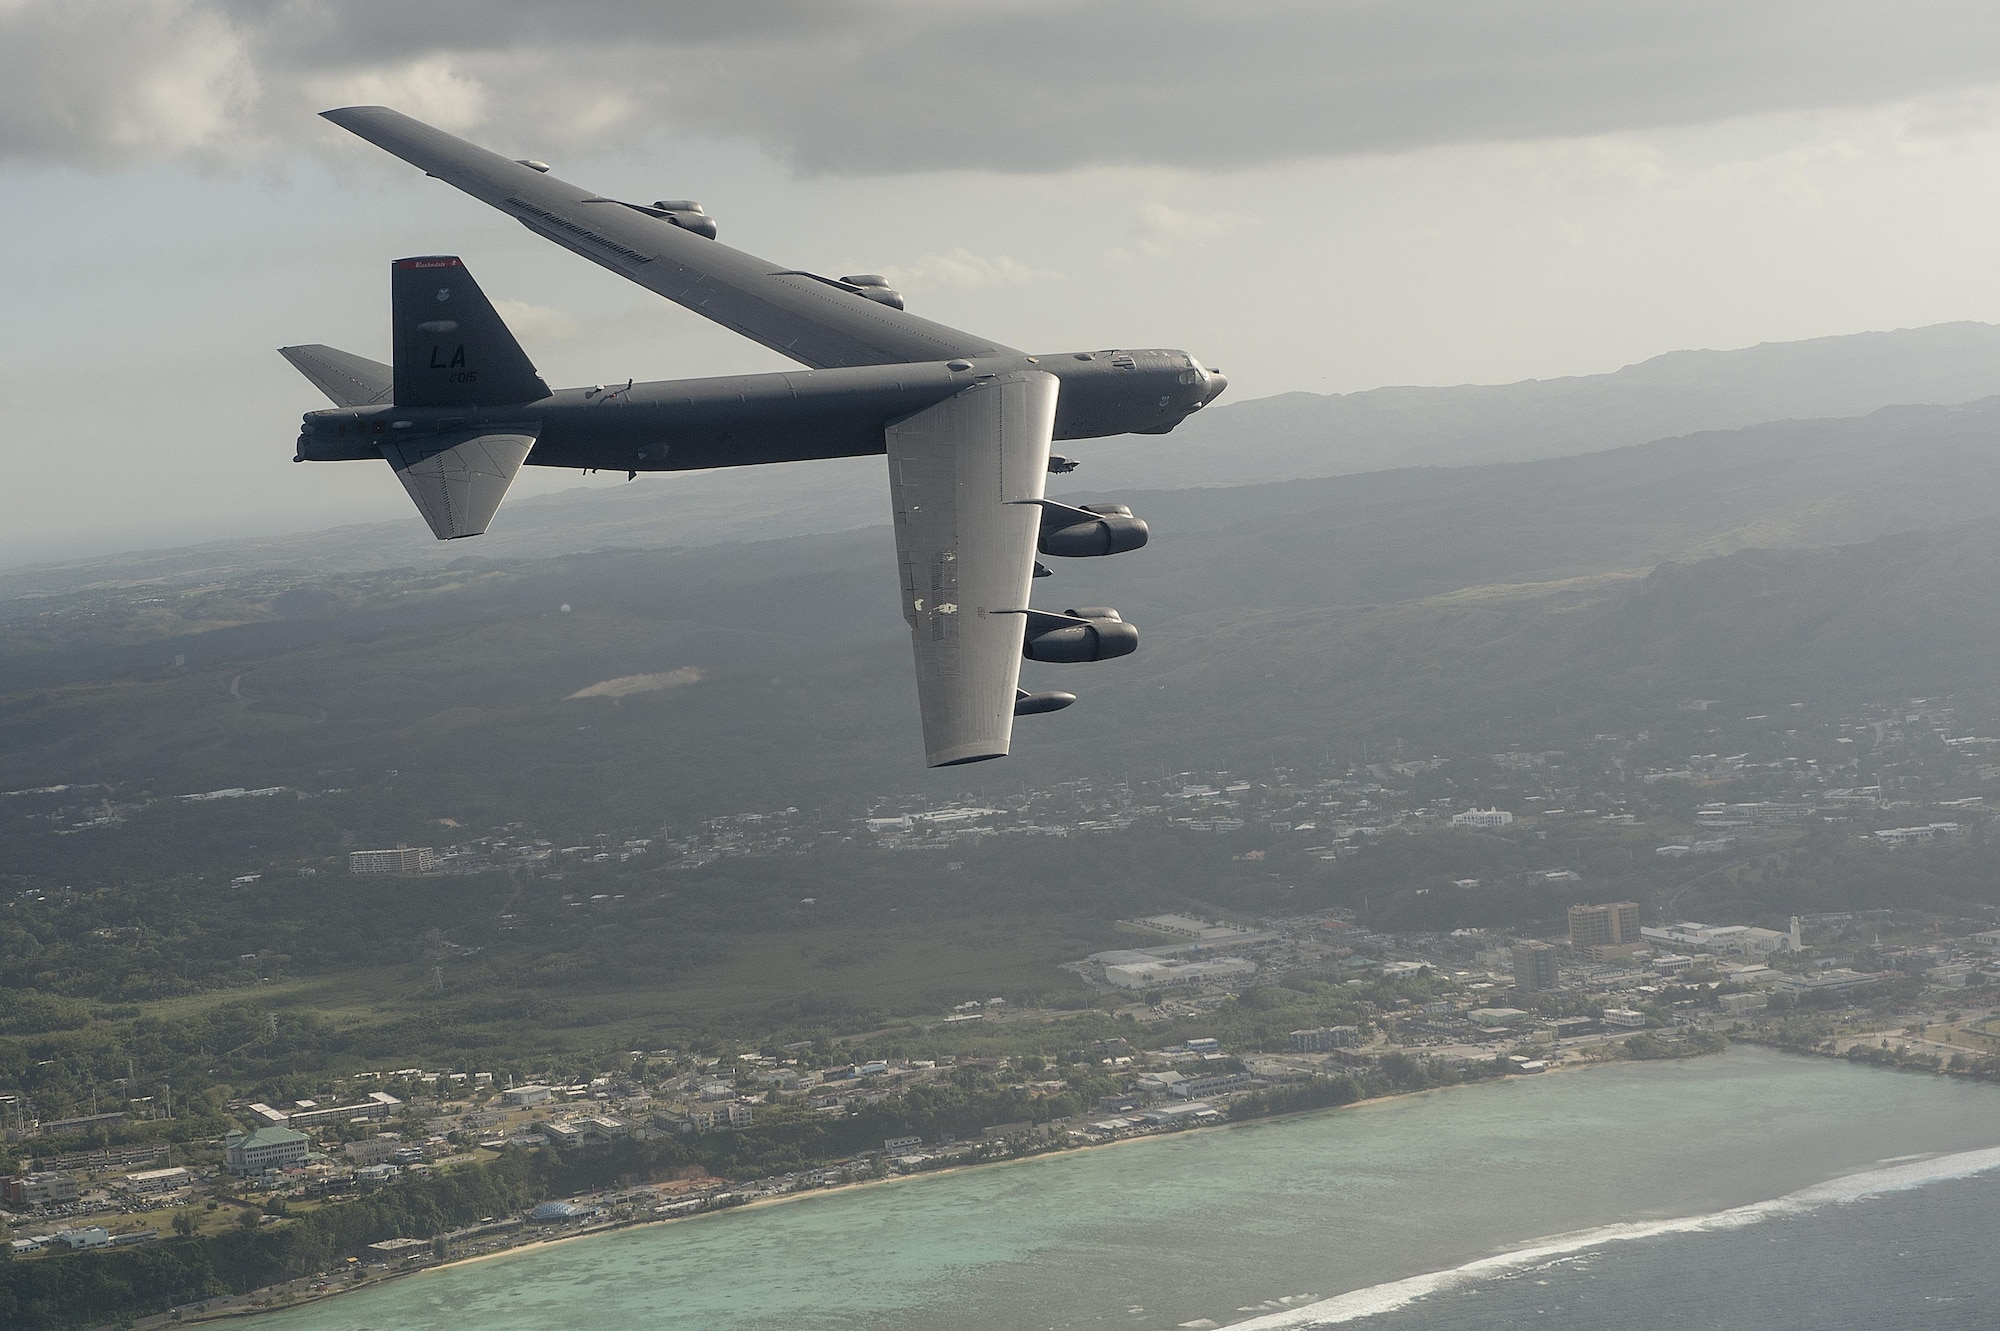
(966, 478)
(813, 320)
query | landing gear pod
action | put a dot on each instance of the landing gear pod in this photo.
(1035, 704)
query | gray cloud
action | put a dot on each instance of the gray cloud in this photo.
(857, 86)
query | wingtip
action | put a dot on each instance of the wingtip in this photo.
(961, 762)
(347, 117)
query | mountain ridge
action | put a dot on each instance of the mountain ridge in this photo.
(1288, 437)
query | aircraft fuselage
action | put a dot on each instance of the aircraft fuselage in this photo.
(788, 416)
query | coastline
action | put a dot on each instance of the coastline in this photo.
(622, 1226)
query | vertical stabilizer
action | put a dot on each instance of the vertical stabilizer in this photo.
(452, 350)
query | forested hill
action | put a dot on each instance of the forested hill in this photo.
(1236, 443)
(1309, 434)
(1514, 599)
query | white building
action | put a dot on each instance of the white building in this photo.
(306, 1113)
(521, 1097)
(91, 1236)
(1159, 971)
(1186, 926)
(1322, 1039)
(1213, 1085)
(708, 1118)
(1482, 818)
(1625, 1017)
(1735, 939)
(43, 1188)
(266, 1148)
(1903, 836)
(154, 1180)
(403, 859)
(376, 1150)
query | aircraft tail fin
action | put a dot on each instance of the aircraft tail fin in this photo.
(452, 349)
(349, 380)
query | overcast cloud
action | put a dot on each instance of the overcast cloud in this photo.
(1316, 196)
(888, 86)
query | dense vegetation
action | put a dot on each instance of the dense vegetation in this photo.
(273, 988)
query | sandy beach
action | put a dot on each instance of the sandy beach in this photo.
(375, 1280)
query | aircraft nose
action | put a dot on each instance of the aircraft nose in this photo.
(1217, 382)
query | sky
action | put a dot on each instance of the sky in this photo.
(1324, 197)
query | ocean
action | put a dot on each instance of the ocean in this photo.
(1750, 1189)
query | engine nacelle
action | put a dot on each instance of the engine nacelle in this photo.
(1094, 529)
(687, 215)
(876, 288)
(1096, 633)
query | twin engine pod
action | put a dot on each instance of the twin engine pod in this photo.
(874, 287)
(683, 213)
(1095, 633)
(1092, 633)
(687, 215)
(1094, 529)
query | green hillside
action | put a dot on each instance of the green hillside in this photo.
(1275, 617)
(1235, 443)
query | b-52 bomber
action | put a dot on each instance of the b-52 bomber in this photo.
(966, 423)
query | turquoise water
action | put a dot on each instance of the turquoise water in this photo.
(1413, 1212)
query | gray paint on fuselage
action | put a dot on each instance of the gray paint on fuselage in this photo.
(745, 420)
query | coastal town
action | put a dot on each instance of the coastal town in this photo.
(1497, 945)
(1427, 1011)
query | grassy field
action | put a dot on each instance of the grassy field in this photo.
(792, 984)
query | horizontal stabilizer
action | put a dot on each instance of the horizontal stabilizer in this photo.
(347, 379)
(458, 480)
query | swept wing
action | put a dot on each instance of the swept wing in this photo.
(965, 478)
(814, 321)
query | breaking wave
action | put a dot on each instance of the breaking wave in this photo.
(1377, 1299)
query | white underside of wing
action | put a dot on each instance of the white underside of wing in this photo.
(458, 487)
(964, 477)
